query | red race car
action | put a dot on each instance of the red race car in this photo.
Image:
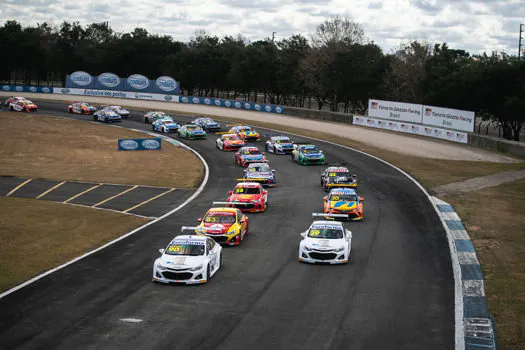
(14, 99)
(23, 106)
(248, 197)
(229, 142)
(249, 154)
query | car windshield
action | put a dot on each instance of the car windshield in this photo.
(310, 150)
(283, 140)
(168, 122)
(347, 197)
(247, 190)
(325, 232)
(85, 104)
(207, 121)
(231, 138)
(258, 167)
(244, 128)
(181, 248)
(220, 217)
(251, 152)
(193, 128)
(338, 172)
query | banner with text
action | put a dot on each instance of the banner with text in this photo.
(147, 144)
(117, 94)
(410, 128)
(400, 111)
(249, 106)
(24, 88)
(449, 118)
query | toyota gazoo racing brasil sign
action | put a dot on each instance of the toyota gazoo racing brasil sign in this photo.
(449, 118)
(81, 78)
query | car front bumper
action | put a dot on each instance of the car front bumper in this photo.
(180, 276)
(314, 257)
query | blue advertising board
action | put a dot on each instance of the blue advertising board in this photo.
(146, 144)
(135, 83)
(25, 88)
(218, 102)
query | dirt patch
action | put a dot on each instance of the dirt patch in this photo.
(495, 221)
(37, 146)
(35, 239)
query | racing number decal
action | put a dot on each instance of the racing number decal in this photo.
(334, 198)
(211, 219)
(239, 190)
(174, 248)
(315, 233)
(332, 174)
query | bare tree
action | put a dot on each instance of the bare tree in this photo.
(338, 33)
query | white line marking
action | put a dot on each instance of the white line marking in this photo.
(81, 193)
(113, 210)
(51, 189)
(17, 187)
(131, 320)
(115, 196)
(149, 200)
(193, 196)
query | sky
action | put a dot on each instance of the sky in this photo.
(474, 25)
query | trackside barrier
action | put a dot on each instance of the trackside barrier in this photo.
(25, 88)
(218, 102)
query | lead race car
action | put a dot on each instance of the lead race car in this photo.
(325, 242)
(279, 145)
(188, 259)
(225, 225)
(260, 172)
(166, 125)
(229, 142)
(308, 154)
(337, 175)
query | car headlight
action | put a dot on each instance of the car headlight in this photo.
(196, 268)
(161, 267)
(340, 249)
(308, 249)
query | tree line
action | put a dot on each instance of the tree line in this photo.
(336, 67)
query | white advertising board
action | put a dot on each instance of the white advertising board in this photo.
(415, 129)
(118, 94)
(449, 118)
(400, 111)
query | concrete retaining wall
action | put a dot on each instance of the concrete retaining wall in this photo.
(319, 115)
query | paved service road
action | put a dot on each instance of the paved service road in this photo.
(397, 292)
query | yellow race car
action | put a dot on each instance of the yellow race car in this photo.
(225, 225)
(245, 133)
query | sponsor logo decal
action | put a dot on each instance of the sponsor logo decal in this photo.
(268, 108)
(195, 100)
(138, 81)
(109, 79)
(81, 78)
(247, 106)
(227, 103)
(207, 101)
(375, 105)
(185, 99)
(129, 144)
(19, 88)
(151, 144)
(168, 98)
(237, 105)
(257, 107)
(166, 83)
(65, 91)
(44, 89)
(6, 88)
(278, 109)
(218, 102)
(33, 89)
(428, 111)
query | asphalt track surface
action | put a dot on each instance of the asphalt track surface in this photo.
(397, 292)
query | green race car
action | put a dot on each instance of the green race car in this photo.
(192, 132)
(308, 154)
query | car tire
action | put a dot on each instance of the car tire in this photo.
(208, 273)
(274, 150)
(69, 110)
(152, 128)
(82, 112)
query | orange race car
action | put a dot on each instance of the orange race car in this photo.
(245, 132)
(81, 108)
(344, 203)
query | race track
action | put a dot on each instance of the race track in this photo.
(397, 292)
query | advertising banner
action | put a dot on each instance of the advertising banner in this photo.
(400, 111)
(24, 88)
(116, 94)
(415, 129)
(147, 144)
(249, 106)
(449, 118)
(136, 83)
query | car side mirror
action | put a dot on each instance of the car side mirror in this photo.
(348, 234)
(199, 219)
(321, 152)
(265, 192)
(325, 198)
(361, 199)
(230, 192)
(303, 234)
(161, 251)
(263, 152)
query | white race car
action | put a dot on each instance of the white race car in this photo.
(188, 259)
(325, 242)
(124, 113)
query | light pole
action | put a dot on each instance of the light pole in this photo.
(273, 36)
(519, 45)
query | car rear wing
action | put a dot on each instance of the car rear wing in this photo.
(232, 125)
(223, 132)
(255, 179)
(200, 229)
(342, 185)
(324, 215)
(231, 203)
(337, 164)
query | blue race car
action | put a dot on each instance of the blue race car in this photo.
(260, 172)
(107, 116)
(279, 145)
(208, 124)
(165, 125)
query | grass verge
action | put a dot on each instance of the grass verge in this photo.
(495, 222)
(36, 239)
(37, 146)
